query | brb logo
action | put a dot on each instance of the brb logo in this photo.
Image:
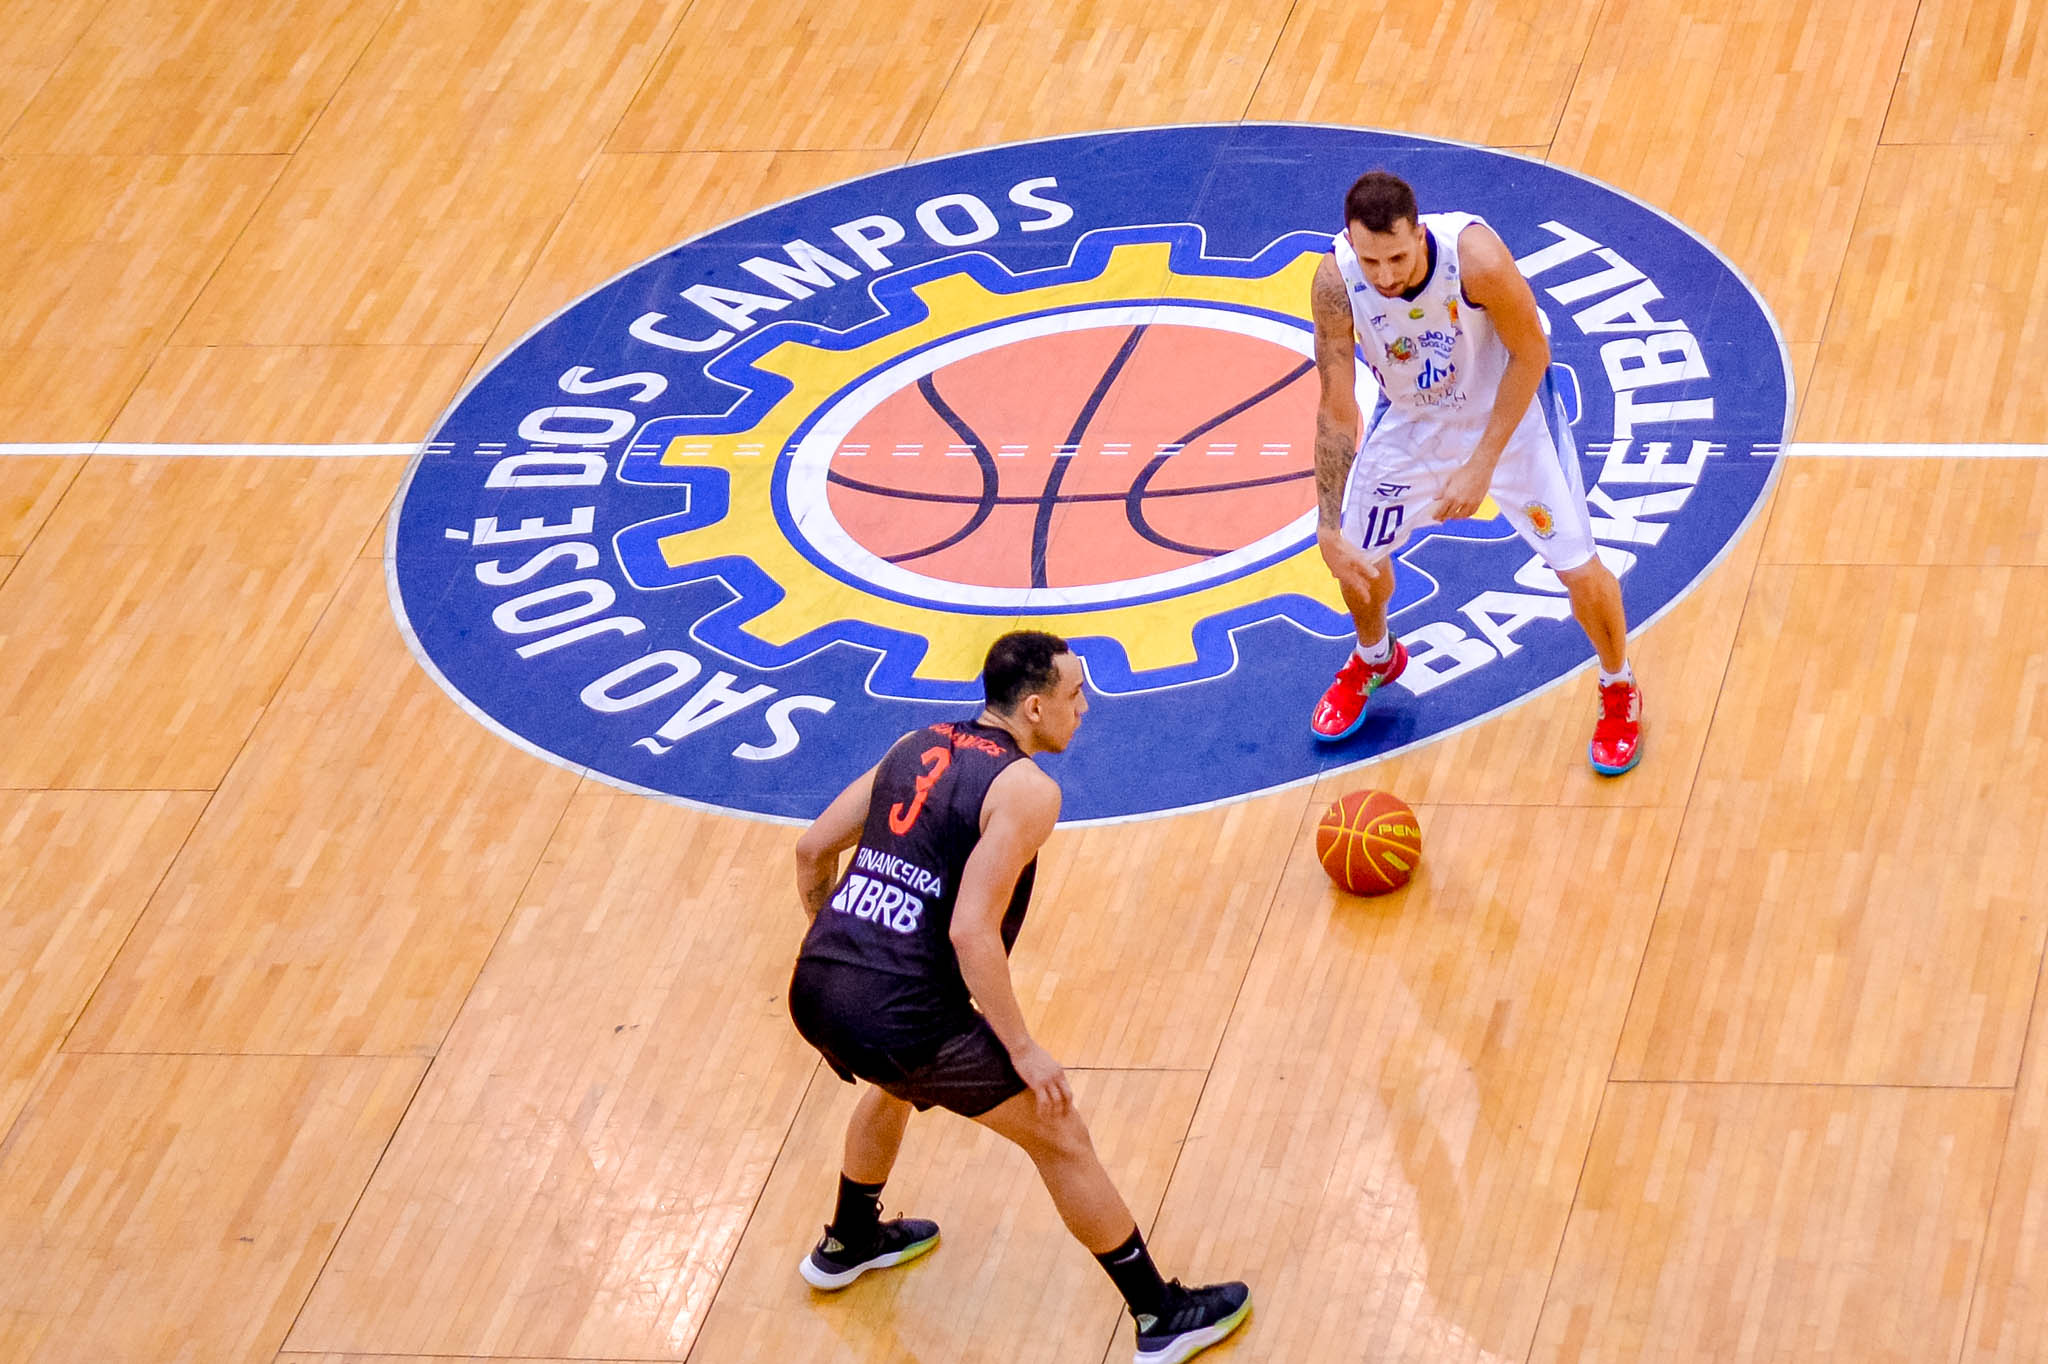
(726, 527)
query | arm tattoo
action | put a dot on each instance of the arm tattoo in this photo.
(1336, 439)
(1334, 453)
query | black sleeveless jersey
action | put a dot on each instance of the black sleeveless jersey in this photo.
(892, 911)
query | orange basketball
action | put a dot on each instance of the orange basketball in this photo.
(1369, 842)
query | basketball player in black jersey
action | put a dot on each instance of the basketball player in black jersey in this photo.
(914, 936)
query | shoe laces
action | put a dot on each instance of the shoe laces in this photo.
(1617, 700)
(1183, 1304)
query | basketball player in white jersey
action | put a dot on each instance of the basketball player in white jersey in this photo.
(1450, 329)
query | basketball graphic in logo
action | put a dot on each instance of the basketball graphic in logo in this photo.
(991, 471)
(725, 527)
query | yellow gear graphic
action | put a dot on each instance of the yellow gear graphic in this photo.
(1154, 635)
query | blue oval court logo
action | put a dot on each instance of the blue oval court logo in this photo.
(726, 527)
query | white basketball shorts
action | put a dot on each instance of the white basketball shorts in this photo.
(1403, 465)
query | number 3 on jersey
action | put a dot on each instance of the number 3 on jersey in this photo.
(936, 760)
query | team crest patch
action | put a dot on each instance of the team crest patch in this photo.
(1402, 350)
(1541, 520)
(727, 526)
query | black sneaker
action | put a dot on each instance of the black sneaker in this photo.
(1191, 1321)
(833, 1265)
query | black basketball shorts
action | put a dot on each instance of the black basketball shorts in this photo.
(955, 1063)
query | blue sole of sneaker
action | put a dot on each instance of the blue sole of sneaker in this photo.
(1323, 738)
(1604, 770)
(829, 1281)
(1194, 1342)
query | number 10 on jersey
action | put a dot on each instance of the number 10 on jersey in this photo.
(1382, 524)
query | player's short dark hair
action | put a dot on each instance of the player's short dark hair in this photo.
(1020, 664)
(1379, 199)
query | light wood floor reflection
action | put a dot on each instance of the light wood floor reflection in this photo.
(334, 1028)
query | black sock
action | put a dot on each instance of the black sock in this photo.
(859, 1213)
(1136, 1277)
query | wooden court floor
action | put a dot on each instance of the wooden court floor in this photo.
(333, 1028)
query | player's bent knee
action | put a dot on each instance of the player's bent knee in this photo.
(1585, 572)
(1069, 1136)
(1062, 1137)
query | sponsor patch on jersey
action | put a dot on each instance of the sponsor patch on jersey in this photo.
(730, 524)
(1435, 375)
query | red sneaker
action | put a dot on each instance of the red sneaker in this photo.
(1342, 709)
(1618, 734)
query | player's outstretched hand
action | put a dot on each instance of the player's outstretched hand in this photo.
(1047, 1078)
(1347, 563)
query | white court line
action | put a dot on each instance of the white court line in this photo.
(114, 447)
(1825, 450)
(1797, 450)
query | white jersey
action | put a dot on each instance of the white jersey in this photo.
(1439, 361)
(1437, 356)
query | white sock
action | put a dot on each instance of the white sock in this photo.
(1608, 679)
(1377, 653)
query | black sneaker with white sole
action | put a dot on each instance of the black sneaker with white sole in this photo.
(1191, 1320)
(833, 1265)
